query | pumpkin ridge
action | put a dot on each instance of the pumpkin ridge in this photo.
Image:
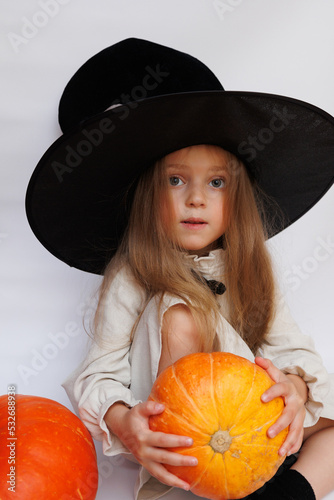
(79, 493)
(80, 433)
(258, 428)
(269, 421)
(227, 491)
(212, 392)
(185, 392)
(178, 417)
(246, 398)
(198, 480)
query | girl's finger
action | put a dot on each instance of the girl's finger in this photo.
(170, 458)
(162, 440)
(161, 473)
(294, 439)
(283, 421)
(273, 372)
(291, 445)
(279, 389)
(149, 408)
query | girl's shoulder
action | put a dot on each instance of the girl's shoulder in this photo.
(121, 300)
(124, 287)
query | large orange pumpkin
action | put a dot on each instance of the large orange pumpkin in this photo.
(215, 399)
(51, 455)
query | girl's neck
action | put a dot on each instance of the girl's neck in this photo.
(204, 252)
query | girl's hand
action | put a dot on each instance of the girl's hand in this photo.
(148, 447)
(294, 412)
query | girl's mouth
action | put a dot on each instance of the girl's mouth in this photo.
(194, 223)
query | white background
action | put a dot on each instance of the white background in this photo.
(284, 47)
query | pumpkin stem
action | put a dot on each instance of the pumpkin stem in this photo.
(221, 441)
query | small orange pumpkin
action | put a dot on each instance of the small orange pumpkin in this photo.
(46, 452)
(215, 399)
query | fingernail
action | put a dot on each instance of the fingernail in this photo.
(186, 487)
(264, 398)
(282, 452)
(159, 407)
(194, 461)
(189, 441)
(271, 433)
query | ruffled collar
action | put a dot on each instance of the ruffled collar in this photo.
(210, 266)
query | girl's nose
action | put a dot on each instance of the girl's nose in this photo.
(196, 197)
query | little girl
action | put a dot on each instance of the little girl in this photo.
(191, 271)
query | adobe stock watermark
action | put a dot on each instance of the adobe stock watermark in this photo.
(226, 7)
(91, 139)
(40, 358)
(31, 27)
(298, 273)
(255, 143)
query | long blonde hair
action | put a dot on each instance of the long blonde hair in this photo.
(159, 265)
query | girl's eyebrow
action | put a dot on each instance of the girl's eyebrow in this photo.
(176, 165)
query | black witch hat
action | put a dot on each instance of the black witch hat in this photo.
(137, 101)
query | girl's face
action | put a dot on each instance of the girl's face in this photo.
(197, 180)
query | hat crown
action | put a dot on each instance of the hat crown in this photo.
(128, 71)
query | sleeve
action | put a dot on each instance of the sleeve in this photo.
(294, 353)
(104, 377)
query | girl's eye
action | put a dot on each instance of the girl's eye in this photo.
(175, 181)
(217, 183)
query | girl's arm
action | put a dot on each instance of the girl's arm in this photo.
(148, 447)
(294, 354)
(179, 337)
(104, 376)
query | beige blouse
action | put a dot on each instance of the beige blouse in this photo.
(124, 371)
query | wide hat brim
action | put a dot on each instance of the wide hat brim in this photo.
(77, 202)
